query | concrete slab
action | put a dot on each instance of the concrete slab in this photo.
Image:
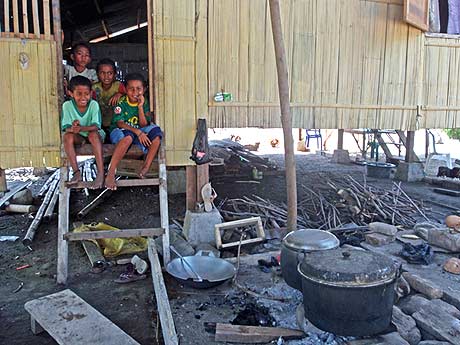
(341, 157)
(409, 172)
(199, 226)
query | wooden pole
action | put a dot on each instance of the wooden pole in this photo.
(3, 184)
(410, 154)
(286, 119)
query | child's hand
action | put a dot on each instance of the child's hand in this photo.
(114, 99)
(141, 101)
(144, 139)
(76, 127)
(76, 123)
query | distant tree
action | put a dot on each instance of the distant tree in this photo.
(453, 133)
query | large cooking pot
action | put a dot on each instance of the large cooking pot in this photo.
(348, 292)
(296, 244)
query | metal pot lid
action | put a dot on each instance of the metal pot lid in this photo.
(306, 240)
(348, 267)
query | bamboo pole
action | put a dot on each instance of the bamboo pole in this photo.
(50, 209)
(286, 119)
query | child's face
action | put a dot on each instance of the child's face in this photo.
(81, 94)
(81, 57)
(134, 89)
(106, 75)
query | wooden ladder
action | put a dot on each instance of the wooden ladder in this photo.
(64, 236)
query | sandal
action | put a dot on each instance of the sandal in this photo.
(129, 276)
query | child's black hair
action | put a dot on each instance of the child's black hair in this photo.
(106, 61)
(80, 44)
(79, 80)
(134, 76)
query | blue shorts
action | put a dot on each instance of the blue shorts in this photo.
(152, 131)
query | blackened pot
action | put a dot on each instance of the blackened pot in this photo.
(348, 292)
(296, 244)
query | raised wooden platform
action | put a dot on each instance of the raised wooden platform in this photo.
(71, 321)
(107, 150)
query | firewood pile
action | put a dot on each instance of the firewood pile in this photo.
(236, 159)
(332, 204)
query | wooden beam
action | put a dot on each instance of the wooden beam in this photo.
(56, 10)
(410, 154)
(191, 195)
(161, 295)
(6, 17)
(15, 17)
(36, 19)
(3, 184)
(46, 19)
(122, 233)
(164, 214)
(254, 334)
(286, 118)
(25, 19)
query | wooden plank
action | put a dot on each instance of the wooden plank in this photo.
(447, 192)
(123, 183)
(63, 228)
(416, 13)
(46, 19)
(70, 320)
(254, 221)
(25, 19)
(36, 18)
(202, 177)
(122, 233)
(131, 167)
(6, 17)
(161, 295)
(254, 334)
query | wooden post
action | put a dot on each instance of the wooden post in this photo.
(286, 119)
(427, 143)
(58, 38)
(63, 228)
(163, 191)
(191, 197)
(340, 140)
(410, 154)
(202, 177)
(3, 184)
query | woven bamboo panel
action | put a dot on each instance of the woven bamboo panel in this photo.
(29, 134)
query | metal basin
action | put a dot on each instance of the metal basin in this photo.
(212, 271)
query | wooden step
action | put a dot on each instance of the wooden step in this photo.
(71, 321)
(98, 234)
(121, 183)
(107, 150)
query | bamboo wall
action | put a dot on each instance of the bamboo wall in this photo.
(352, 64)
(29, 117)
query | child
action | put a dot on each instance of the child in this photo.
(107, 91)
(81, 57)
(81, 122)
(131, 124)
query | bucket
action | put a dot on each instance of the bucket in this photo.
(379, 170)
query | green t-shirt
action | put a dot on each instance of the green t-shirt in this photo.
(91, 117)
(128, 113)
(103, 97)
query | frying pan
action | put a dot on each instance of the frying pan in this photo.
(200, 272)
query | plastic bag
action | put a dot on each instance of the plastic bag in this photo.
(200, 149)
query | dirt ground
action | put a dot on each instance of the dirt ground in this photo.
(132, 306)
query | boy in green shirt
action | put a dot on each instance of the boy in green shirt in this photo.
(81, 122)
(131, 124)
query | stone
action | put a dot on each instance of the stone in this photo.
(383, 228)
(199, 226)
(438, 323)
(406, 326)
(452, 297)
(423, 286)
(452, 266)
(341, 157)
(409, 172)
(444, 238)
(393, 339)
(377, 239)
(414, 303)
(23, 197)
(433, 342)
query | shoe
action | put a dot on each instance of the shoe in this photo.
(129, 276)
(208, 194)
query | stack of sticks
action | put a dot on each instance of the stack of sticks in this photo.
(50, 192)
(331, 205)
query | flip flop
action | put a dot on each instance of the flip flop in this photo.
(206, 194)
(127, 277)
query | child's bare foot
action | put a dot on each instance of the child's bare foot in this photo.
(110, 182)
(143, 172)
(75, 179)
(98, 182)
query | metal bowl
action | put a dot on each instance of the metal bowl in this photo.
(212, 271)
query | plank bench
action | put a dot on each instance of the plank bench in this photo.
(71, 321)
